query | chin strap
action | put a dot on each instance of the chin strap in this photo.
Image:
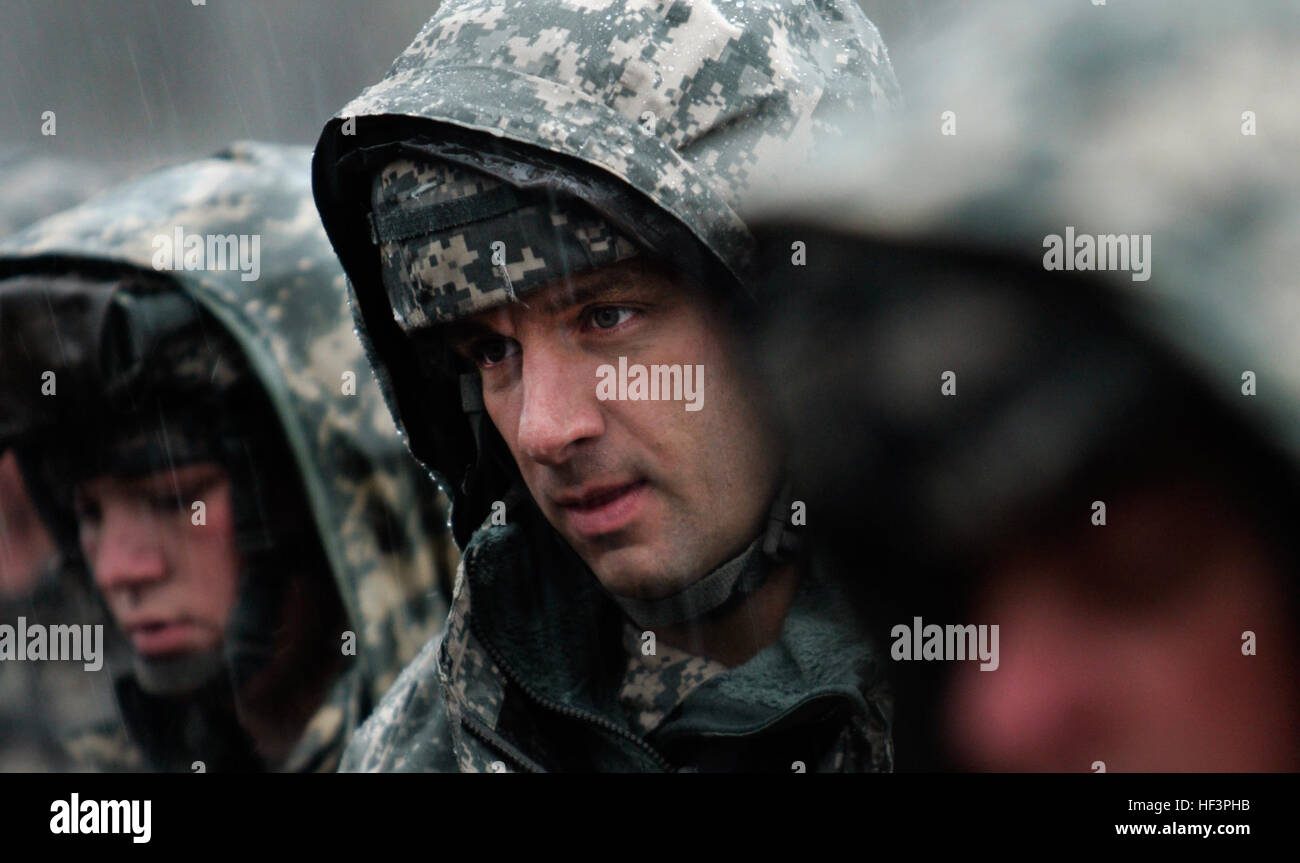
(729, 584)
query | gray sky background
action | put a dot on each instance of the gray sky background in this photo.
(139, 83)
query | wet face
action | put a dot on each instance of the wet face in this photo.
(169, 583)
(1123, 644)
(651, 495)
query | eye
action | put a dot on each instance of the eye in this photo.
(490, 351)
(608, 317)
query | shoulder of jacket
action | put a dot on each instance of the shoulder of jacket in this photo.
(408, 731)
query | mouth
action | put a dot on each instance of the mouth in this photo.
(156, 637)
(601, 509)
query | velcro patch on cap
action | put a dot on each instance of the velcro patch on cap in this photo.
(454, 241)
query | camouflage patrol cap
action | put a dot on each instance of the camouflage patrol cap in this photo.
(455, 241)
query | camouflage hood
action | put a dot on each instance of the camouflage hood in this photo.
(380, 520)
(659, 116)
(1034, 125)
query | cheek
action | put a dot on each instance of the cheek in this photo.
(209, 554)
(736, 458)
(503, 412)
(1207, 637)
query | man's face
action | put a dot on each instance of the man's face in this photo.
(169, 583)
(1123, 644)
(651, 495)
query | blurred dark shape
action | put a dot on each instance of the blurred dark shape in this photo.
(1165, 637)
(1061, 401)
(39, 702)
(25, 546)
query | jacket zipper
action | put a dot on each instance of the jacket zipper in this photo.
(476, 727)
(561, 709)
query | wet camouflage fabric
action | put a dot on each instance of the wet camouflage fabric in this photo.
(656, 683)
(517, 686)
(688, 103)
(1125, 119)
(437, 224)
(381, 520)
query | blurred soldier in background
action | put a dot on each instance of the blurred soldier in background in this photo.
(35, 187)
(195, 419)
(633, 595)
(1100, 457)
(39, 701)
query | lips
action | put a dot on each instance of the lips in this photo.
(162, 636)
(601, 509)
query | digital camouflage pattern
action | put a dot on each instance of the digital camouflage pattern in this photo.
(380, 519)
(534, 680)
(687, 103)
(655, 683)
(432, 220)
(659, 117)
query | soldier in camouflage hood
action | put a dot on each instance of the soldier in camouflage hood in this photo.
(1052, 322)
(193, 413)
(39, 701)
(538, 197)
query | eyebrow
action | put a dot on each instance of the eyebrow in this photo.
(612, 288)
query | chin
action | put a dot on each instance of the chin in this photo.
(637, 572)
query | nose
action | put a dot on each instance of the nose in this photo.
(128, 552)
(559, 407)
